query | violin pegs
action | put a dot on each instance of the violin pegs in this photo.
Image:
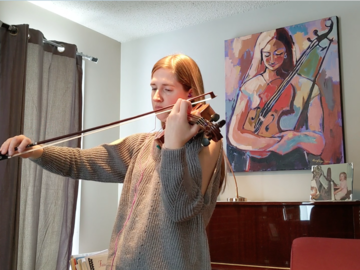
(205, 141)
(221, 123)
(214, 118)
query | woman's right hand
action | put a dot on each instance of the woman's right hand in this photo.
(20, 142)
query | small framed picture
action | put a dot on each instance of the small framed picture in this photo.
(332, 182)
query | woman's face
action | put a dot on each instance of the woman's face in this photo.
(165, 91)
(273, 54)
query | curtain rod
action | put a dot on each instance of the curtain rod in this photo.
(61, 48)
(13, 30)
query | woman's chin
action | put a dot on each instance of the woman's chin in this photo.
(161, 117)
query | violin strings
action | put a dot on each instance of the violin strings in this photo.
(299, 63)
(205, 124)
(199, 120)
(267, 108)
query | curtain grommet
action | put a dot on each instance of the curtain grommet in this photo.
(61, 49)
(13, 30)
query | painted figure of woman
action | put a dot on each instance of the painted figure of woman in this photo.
(280, 143)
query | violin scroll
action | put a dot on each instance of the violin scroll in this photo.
(208, 116)
(206, 140)
(329, 24)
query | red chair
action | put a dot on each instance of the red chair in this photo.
(319, 253)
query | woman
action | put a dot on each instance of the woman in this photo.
(276, 145)
(169, 190)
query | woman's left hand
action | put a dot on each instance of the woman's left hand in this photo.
(178, 131)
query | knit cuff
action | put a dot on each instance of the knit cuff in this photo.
(56, 160)
(173, 159)
(43, 159)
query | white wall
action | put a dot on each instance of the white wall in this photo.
(205, 44)
(102, 98)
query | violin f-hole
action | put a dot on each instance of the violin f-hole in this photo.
(257, 109)
(267, 128)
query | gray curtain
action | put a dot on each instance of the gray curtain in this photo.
(13, 48)
(52, 108)
(47, 202)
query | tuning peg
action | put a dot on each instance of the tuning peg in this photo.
(214, 118)
(221, 123)
(205, 141)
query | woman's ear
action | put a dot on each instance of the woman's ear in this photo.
(190, 93)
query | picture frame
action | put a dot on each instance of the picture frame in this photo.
(286, 115)
(333, 182)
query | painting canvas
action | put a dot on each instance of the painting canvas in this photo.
(332, 182)
(283, 98)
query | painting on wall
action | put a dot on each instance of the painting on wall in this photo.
(332, 182)
(283, 98)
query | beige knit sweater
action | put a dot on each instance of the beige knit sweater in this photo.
(162, 214)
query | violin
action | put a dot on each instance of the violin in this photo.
(204, 121)
(211, 130)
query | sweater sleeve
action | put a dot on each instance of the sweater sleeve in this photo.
(181, 178)
(105, 163)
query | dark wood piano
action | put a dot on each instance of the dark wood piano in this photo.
(258, 235)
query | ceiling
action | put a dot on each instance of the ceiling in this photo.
(128, 20)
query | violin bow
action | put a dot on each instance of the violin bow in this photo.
(82, 133)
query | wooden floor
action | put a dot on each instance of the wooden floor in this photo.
(215, 266)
